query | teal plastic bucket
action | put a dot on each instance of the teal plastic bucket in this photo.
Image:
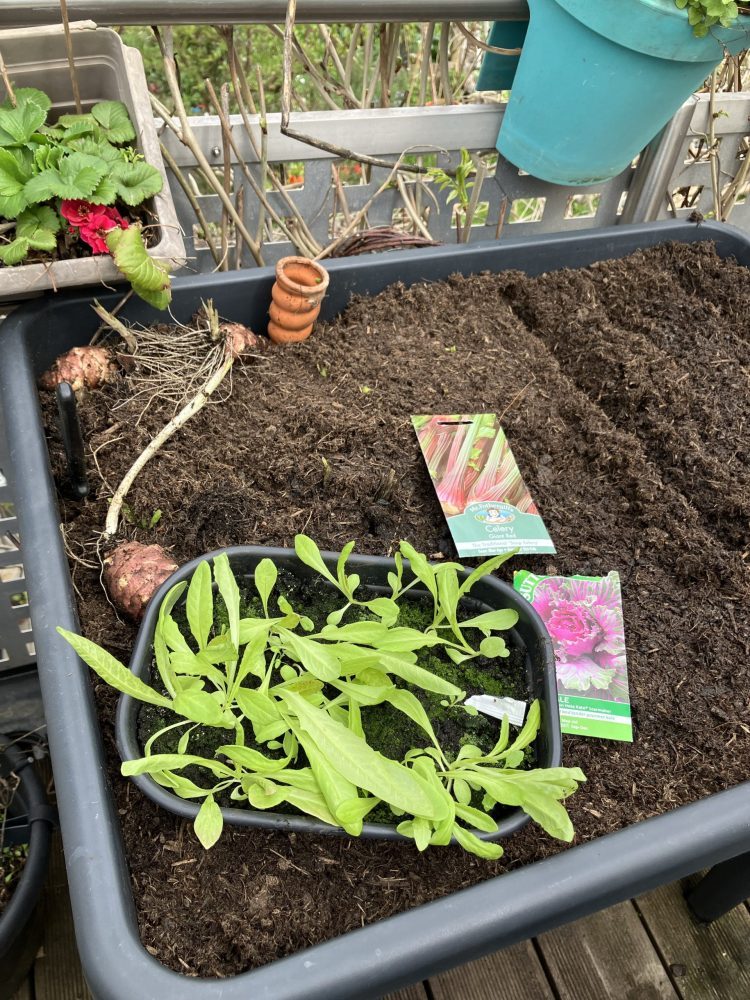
(597, 79)
(497, 72)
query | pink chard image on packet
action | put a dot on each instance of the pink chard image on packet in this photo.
(486, 503)
(584, 618)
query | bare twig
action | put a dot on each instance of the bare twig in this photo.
(361, 214)
(263, 123)
(186, 135)
(713, 151)
(6, 80)
(411, 209)
(476, 193)
(110, 320)
(736, 185)
(239, 204)
(227, 173)
(286, 98)
(71, 56)
(286, 84)
(516, 398)
(303, 238)
(445, 70)
(252, 181)
(483, 45)
(194, 203)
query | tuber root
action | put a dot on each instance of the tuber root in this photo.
(82, 367)
(133, 572)
(240, 339)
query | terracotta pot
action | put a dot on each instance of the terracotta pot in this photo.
(297, 293)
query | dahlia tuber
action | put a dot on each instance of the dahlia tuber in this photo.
(133, 573)
(240, 339)
(82, 367)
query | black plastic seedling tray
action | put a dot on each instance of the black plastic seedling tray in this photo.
(411, 945)
(529, 636)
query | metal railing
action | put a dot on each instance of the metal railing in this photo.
(17, 13)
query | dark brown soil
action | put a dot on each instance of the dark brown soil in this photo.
(625, 388)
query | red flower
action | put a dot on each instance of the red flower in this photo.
(93, 222)
(77, 212)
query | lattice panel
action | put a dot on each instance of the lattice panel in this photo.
(689, 187)
(511, 203)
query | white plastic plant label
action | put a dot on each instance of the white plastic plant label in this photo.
(488, 704)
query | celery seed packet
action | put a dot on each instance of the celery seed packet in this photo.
(484, 498)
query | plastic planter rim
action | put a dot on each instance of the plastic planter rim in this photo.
(541, 662)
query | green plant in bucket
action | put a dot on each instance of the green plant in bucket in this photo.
(293, 694)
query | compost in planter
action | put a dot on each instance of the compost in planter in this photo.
(599, 457)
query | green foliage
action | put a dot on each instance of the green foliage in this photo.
(460, 186)
(301, 692)
(703, 14)
(79, 158)
(149, 277)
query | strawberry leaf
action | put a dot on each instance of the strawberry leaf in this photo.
(39, 225)
(136, 181)
(14, 173)
(77, 125)
(18, 124)
(106, 192)
(15, 252)
(114, 121)
(25, 95)
(76, 178)
(149, 278)
(97, 147)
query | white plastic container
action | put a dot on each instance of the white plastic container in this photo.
(106, 70)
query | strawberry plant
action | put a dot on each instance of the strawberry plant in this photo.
(73, 182)
(288, 700)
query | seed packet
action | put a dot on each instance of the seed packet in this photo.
(584, 617)
(484, 498)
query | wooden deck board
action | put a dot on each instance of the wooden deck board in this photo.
(57, 970)
(505, 975)
(649, 949)
(23, 993)
(608, 954)
(706, 961)
(415, 992)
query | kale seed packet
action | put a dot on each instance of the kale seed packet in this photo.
(583, 615)
(484, 498)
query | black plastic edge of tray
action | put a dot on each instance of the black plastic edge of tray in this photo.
(403, 948)
(530, 634)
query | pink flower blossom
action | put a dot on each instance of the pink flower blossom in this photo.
(93, 222)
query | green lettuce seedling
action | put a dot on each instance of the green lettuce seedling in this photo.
(300, 692)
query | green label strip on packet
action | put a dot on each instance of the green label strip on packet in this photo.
(584, 617)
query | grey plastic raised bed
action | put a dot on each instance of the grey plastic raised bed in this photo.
(403, 948)
(106, 70)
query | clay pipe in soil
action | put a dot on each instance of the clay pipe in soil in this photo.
(297, 293)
